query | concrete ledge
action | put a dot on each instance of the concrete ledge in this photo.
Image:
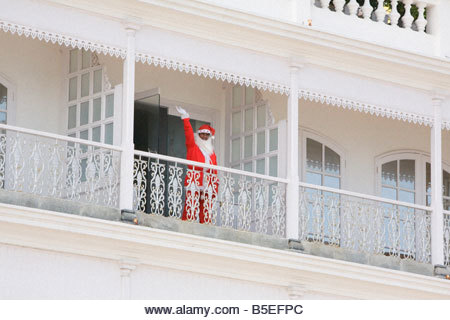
(59, 205)
(210, 231)
(394, 263)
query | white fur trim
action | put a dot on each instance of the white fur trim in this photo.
(204, 131)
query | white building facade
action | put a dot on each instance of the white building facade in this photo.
(332, 131)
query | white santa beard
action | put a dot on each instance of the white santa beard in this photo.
(205, 146)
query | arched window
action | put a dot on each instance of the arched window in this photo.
(323, 162)
(406, 176)
(323, 166)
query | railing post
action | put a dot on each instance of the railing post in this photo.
(126, 164)
(437, 216)
(292, 194)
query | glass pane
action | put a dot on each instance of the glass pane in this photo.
(84, 135)
(96, 134)
(389, 193)
(85, 85)
(235, 150)
(314, 178)
(406, 196)
(97, 109)
(72, 117)
(72, 88)
(3, 97)
(273, 140)
(84, 113)
(248, 166)
(261, 166)
(109, 110)
(97, 81)
(428, 177)
(446, 184)
(261, 116)
(3, 117)
(237, 96)
(332, 162)
(109, 133)
(248, 146)
(86, 59)
(313, 155)
(332, 182)
(407, 174)
(73, 64)
(236, 122)
(389, 173)
(261, 142)
(273, 166)
(249, 95)
(248, 119)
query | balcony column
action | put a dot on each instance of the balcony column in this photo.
(437, 216)
(127, 160)
(292, 194)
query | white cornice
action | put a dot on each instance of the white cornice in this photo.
(61, 39)
(123, 242)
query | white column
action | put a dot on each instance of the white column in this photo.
(292, 194)
(437, 216)
(126, 267)
(126, 167)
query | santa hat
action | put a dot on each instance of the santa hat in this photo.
(206, 129)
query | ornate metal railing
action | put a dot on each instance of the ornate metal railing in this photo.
(59, 166)
(191, 191)
(365, 223)
(447, 238)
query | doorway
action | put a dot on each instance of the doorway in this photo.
(157, 131)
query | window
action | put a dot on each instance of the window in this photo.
(407, 177)
(254, 136)
(90, 106)
(323, 167)
(398, 180)
(3, 103)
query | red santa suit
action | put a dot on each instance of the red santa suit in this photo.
(201, 183)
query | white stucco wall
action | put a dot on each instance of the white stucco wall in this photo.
(35, 69)
(27, 273)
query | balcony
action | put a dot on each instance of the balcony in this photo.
(62, 174)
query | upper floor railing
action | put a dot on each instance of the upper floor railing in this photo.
(411, 25)
(447, 238)
(408, 14)
(208, 194)
(74, 169)
(365, 223)
(58, 166)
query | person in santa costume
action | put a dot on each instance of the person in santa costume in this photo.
(201, 183)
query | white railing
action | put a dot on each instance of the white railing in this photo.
(365, 223)
(192, 191)
(447, 238)
(59, 166)
(408, 14)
